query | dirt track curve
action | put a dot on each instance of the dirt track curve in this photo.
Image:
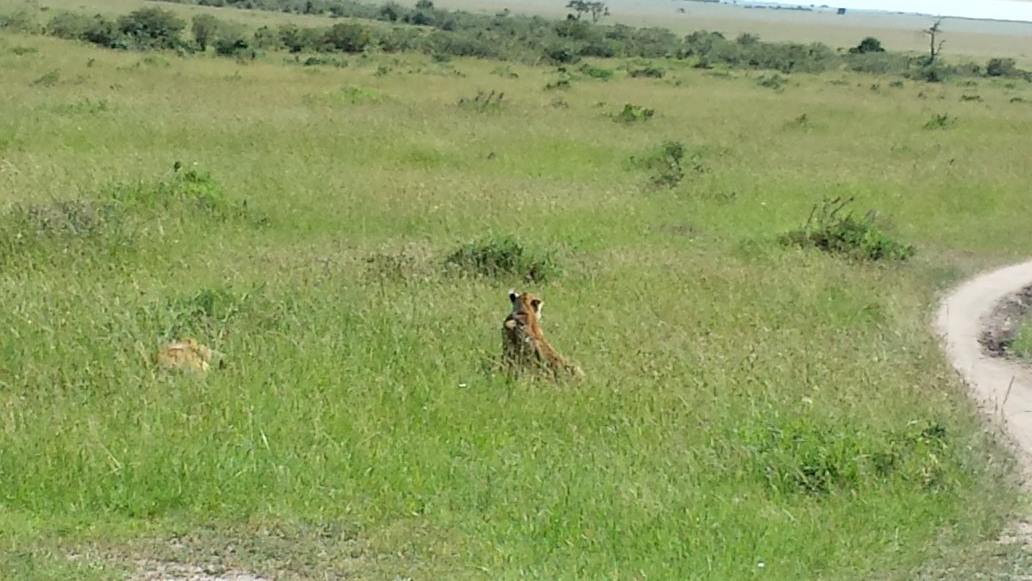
(1002, 387)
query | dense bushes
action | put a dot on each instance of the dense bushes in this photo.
(144, 29)
(531, 39)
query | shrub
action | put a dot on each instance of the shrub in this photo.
(867, 45)
(665, 163)
(21, 21)
(151, 28)
(647, 72)
(561, 55)
(104, 32)
(941, 121)
(597, 72)
(775, 81)
(231, 40)
(634, 114)
(1001, 67)
(347, 37)
(503, 257)
(933, 73)
(204, 27)
(68, 25)
(828, 230)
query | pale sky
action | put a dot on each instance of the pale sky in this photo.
(997, 9)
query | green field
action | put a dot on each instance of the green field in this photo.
(750, 410)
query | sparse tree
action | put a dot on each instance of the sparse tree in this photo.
(597, 10)
(424, 5)
(935, 45)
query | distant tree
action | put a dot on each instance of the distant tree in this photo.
(424, 5)
(869, 44)
(933, 32)
(204, 28)
(597, 10)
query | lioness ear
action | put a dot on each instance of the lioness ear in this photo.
(537, 304)
(513, 295)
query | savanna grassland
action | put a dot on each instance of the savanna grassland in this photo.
(751, 409)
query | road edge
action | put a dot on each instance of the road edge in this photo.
(1001, 388)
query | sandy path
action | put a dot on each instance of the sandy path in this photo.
(1002, 388)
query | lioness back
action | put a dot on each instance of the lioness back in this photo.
(523, 342)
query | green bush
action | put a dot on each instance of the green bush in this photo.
(775, 81)
(941, 121)
(503, 257)
(231, 40)
(867, 45)
(68, 25)
(829, 230)
(634, 114)
(151, 28)
(205, 28)
(21, 21)
(1001, 67)
(597, 72)
(665, 164)
(96, 29)
(647, 72)
(347, 37)
(561, 55)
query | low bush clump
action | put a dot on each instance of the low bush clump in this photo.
(647, 72)
(829, 230)
(503, 257)
(597, 72)
(634, 114)
(941, 121)
(775, 81)
(667, 164)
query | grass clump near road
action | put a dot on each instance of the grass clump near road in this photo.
(745, 403)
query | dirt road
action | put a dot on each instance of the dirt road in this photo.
(1003, 388)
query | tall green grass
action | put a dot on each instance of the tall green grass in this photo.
(750, 409)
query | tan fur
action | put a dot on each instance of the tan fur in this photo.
(524, 346)
(185, 355)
